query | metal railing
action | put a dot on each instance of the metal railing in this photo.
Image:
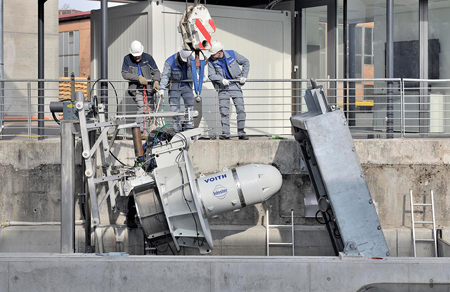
(421, 108)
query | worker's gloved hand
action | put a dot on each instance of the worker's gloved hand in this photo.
(225, 82)
(161, 93)
(242, 80)
(156, 86)
(142, 80)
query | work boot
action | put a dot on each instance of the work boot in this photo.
(224, 137)
(243, 137)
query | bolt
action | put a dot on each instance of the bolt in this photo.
(379, 227)
(388, 254)
(328, 279)
(362, 174)
(353, 149)
(370, 201)
(352, 245)
(345, 123)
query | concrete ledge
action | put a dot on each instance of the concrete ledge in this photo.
(46, 272)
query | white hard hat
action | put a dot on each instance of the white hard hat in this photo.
(136, 48)
(184, 55)
(216, 47)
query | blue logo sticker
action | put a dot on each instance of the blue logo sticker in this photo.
(220, 192)
(219, 177)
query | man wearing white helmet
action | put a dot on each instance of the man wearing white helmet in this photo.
(141, 70)
(177, 68)
(224, 65)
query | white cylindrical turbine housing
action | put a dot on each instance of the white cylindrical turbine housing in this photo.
(236, 188)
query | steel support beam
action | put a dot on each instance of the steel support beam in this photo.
(351, 73)
(41, 68)
(424, 100)
(104, 54)
(2, 93)
(67, 187)
(390, 67)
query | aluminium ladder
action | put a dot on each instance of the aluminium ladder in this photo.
(268, 243)
(413, 222)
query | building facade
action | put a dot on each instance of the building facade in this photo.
(75, 44)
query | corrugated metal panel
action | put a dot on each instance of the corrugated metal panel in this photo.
(125, 24)
(261, 36)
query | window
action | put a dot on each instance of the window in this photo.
(358, 51)
(368, 46)
(66, 72)
(70, 37)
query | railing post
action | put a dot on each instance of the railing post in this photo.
(217, 112)
(29, 109)
(72, 86)
(402, 108)
(88, 89)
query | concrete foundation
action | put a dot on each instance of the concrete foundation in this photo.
(30, 179)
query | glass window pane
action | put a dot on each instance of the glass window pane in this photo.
(368, 41)
(358, 40)
(438, 33)
(368, 60)
(358, 67)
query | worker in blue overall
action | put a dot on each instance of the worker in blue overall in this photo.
(224, 65)
(141, 70)
(177, 68)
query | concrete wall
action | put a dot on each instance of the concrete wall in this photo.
(21, 52)
(29, 174)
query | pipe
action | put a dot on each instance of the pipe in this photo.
(137, 142)
(8, 223)
(41, 69)
(104, 55)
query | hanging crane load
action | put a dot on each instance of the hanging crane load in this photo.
(196, 27)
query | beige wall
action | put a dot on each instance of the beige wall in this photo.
(21, 52)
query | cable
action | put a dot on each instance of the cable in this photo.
(110, 152)
(117, 97)
(325, 219)
(56, 119)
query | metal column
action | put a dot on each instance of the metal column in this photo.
(345, 32)
(67, 187)
(390, 67)
(351, 74)
(41, 68)
(2, 96)
(424, 99)
(104, 54)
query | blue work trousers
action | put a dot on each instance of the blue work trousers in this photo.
(175, 103)
(234, 93)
